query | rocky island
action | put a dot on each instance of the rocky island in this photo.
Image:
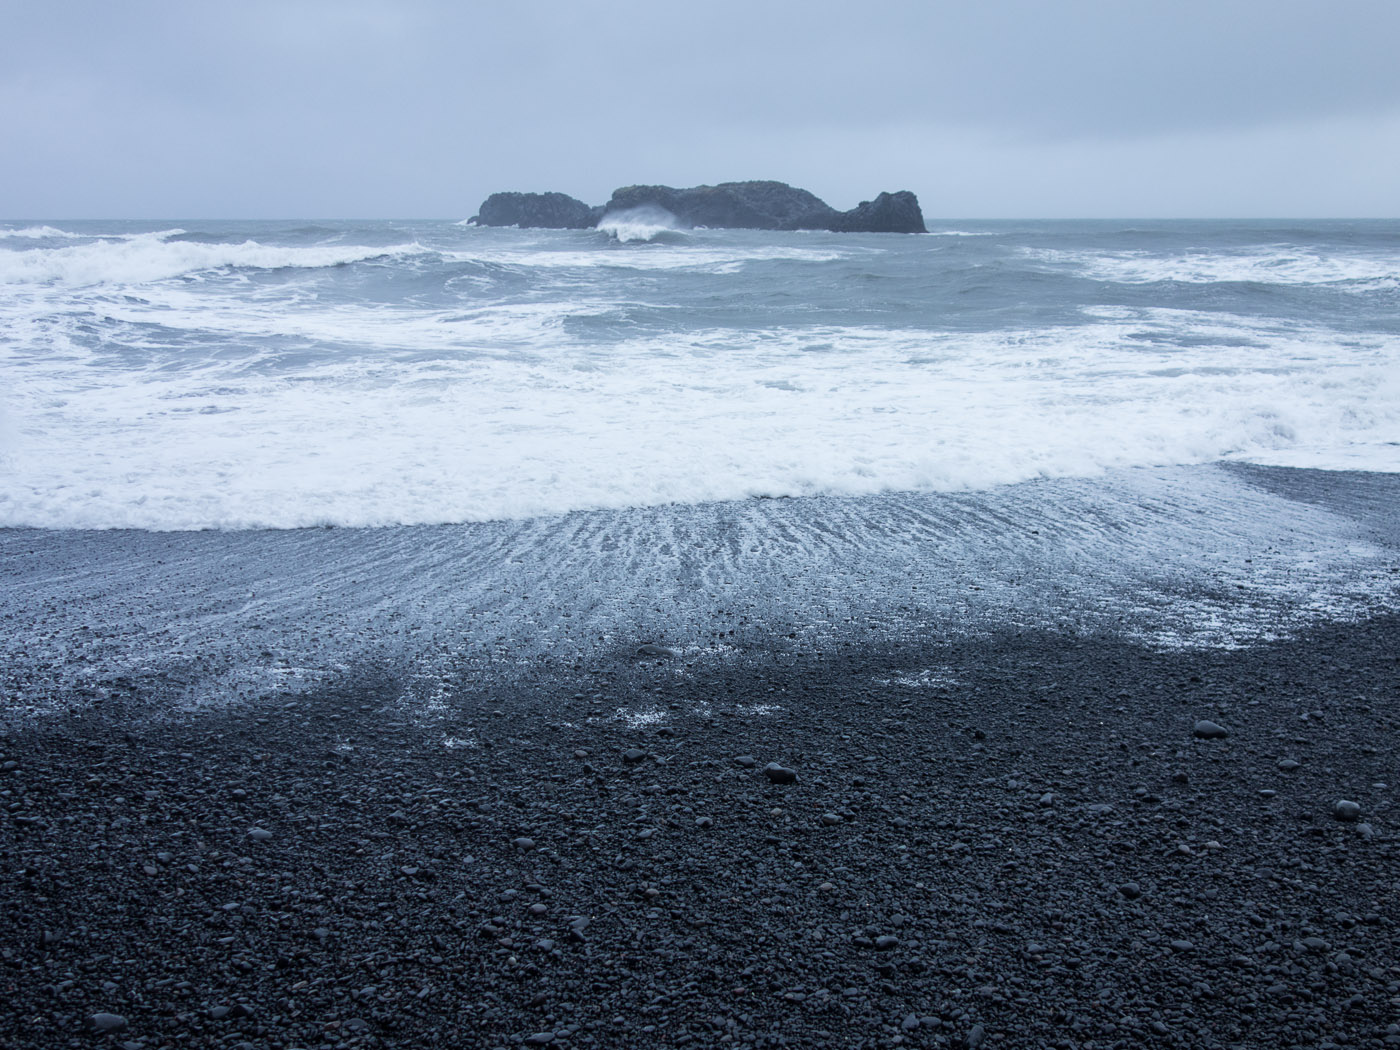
(732, 205)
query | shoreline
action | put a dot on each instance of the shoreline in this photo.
(433, 725)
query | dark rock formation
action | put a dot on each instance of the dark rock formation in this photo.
(887, 213)
(556, 211)
(732, 205)
(762, 205)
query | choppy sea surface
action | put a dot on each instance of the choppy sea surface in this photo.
(252, 374)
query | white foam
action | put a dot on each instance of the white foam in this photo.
(1273, 264)
(509, 417)
(640, 719)
(147, 382)
(644, 223)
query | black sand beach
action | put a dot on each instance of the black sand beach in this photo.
(503, 784)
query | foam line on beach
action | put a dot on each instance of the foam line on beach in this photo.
(1193, 557)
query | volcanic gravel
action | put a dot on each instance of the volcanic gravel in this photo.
(1042, 852)
(1083, 763)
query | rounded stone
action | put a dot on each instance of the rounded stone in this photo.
(1344, 809)
(1208, 730)
(777, 774)
(106, 1022)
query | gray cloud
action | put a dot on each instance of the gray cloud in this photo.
(421, 108)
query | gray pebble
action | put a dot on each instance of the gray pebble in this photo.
(1346, 810)
(779, 774)
(106, 1022)
(1208, 730)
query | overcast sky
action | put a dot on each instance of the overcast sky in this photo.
(420, 108)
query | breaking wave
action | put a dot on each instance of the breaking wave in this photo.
(647, 223)
(142, 258)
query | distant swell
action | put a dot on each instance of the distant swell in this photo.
(150, 257)
(38, 233)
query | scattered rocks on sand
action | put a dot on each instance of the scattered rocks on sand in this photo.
(908, 882)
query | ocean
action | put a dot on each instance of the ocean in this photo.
(235, 375)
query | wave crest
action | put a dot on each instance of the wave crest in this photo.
(1270, 264)
(39, 233)
(646, 223)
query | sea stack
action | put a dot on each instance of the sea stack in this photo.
(552, 211)
(757, 205)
